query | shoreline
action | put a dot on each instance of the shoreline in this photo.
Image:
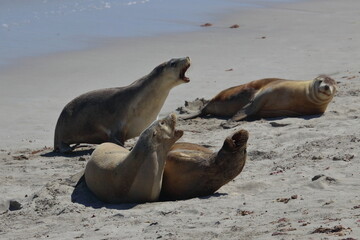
(81, 43)
(49, 27)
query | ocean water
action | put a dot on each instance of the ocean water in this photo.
(37, 27)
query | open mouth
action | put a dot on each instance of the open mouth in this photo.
(240, 138)
(182, 73)
(178, 133)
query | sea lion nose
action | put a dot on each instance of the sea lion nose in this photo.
(172, 117)
(327, 87)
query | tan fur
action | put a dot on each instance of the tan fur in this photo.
(116, 175)
(117, 114)
(192, 170)
(272, 97)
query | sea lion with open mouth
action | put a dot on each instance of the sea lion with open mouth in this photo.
(117, 114)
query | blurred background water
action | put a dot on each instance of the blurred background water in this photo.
(37, 27)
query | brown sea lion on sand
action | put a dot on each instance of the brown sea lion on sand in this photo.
(192, 170)
(271, 97)
(117, 114)
(116, 175)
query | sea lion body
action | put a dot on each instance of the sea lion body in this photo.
(117, 114)
(116, 175)
(192, 170)
(271, 97)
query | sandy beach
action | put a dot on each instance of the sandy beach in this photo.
(302, 176)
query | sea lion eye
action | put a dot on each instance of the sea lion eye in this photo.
(172, 64)
(162, 123)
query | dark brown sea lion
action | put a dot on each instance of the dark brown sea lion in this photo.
(271, 97)
(192, 170)
(117, 114)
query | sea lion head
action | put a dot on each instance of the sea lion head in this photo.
(325, 87)
(163, 131)
(232, 156)
(173, 71)
(237, 142)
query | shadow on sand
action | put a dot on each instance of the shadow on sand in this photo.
(76, 153)
(82, 195)
(272, 121)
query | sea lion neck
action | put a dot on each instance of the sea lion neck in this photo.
(152, 81)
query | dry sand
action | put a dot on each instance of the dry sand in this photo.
(301, 180)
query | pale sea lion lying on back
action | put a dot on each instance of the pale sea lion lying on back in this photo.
(271, 97)
(192, 170)
(116, 175)
(117, 114)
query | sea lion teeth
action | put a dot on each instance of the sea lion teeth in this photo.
(182, 73)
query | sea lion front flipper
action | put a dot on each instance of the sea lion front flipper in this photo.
(243, 113)
(191, 115)
(246, 111)
(240, 115)
(65, 148)
(117, 141)
(230, 124)
(252, 108)
(117, 138)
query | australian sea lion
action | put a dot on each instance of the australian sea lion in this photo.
(116, 175)
(117, 114)
(192, 170)
(271, 97)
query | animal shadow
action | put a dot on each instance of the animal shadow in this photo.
(214, 195)
(231, 124)
(305, 117)
(82, 195)
(73, 154)
(164, 198)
